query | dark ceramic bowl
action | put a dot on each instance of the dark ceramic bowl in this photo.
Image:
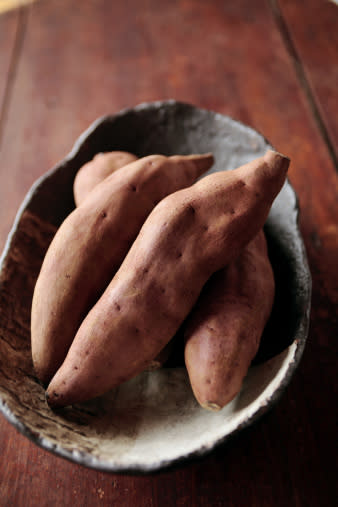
(153, 420)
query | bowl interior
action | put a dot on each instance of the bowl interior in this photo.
(153, 420)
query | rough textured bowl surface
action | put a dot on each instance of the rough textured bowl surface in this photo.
(153, 420)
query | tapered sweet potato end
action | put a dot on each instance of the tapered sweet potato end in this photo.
(265, 175)
(56, 399)
(203, 162)
(200, 162)
(212, 406)
(277, 162)
(96, 170)
(214, 397)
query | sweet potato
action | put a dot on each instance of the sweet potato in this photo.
(223, 331)
(89, 175)
(96, 170)
(187, 237)
(90, 245)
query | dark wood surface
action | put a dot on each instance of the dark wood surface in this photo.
(272, 65)
(314, 35)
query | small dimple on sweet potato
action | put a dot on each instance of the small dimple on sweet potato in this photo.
(223, 331)
(90, 246)
(96, 170)
(151, 265)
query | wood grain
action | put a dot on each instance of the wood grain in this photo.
(77, 64)
(313, 31)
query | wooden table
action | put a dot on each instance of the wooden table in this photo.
(272, 65)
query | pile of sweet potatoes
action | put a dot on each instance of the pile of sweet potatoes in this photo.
(151, 248)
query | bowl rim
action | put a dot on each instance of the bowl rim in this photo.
(297, 346)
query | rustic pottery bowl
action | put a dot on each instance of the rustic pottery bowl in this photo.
(153, 420)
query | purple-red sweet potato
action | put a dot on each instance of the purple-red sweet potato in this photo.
(189, 235)
(96, 170)
(223, 331)
(90, 245)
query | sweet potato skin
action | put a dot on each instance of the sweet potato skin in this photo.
(96, 170)
(188, 236)
(90, 245)
(223, 332)
(90, 175)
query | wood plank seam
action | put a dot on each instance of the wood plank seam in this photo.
(16, 51)
(301, 75)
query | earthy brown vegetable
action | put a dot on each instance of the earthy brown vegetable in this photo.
(187, 237)
(96, 170)
(92, 173)
(90, 245)
(224, 329)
